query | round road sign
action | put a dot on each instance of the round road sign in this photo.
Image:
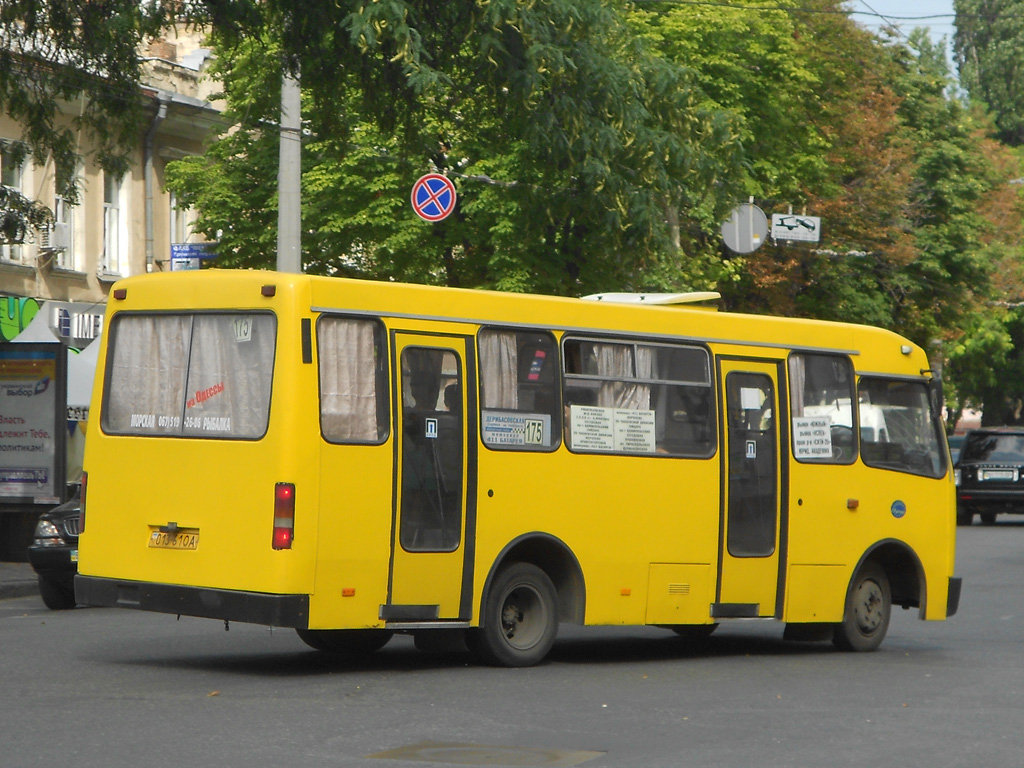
(433, 197)
(745, 230)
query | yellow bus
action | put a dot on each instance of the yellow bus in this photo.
(354, 459)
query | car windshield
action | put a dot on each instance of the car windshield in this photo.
(988, 446)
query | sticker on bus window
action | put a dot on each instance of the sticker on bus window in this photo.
(812, 437)
(243, 328)
(751, 398)
(526, 429)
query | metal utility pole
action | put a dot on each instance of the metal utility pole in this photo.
(289, 176)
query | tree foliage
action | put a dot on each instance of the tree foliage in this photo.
(988, 45)
(59, 52)
(569, 141)
(595, 145)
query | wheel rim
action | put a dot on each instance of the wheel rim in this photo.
(523, 617)
(868, 607)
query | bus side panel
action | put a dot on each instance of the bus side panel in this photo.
(839, 513)
(816, 593)
(355, 531)
(679, 594)
(617, 515)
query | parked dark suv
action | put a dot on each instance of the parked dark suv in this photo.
(54, 554)
(990, 475)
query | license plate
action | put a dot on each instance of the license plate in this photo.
(179, 540)
(999, 474)
(74, 555)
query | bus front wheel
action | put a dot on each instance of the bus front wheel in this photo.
(868, 607)
(352, 642)
(520, 618)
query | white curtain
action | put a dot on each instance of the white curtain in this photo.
(230, 375)
(499, 366)
(797, 382)
(348, 387)
(614, 360)
(147, 373)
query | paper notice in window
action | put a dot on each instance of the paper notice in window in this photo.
(619, 430)
(812, 437)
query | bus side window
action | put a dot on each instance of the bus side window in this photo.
(353, 380)
(824, 420)
(519, 396)
(669, 385)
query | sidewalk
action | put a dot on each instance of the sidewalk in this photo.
(17, 580)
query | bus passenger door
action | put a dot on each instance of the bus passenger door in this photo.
(751, 535)
(431, 575)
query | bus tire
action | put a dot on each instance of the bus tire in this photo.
(350, 642)
(694, 633)
(520, 618)
(866, 615)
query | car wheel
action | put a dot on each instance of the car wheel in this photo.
(964, 517)
(520, 618)
(56, 595)
(347, 642)
(868, 607)
(987, 518)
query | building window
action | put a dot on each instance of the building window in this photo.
(115, 240)
(182, 220)
(11, 176)
(62, 237)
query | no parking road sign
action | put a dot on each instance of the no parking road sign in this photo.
(433, 197)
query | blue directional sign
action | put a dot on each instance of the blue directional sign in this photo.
(193, 250)
(433, 197)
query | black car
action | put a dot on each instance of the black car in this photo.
(54, 554)
(990, 475)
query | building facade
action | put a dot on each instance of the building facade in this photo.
(121, 226)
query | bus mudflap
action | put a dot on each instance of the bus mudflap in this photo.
(953, 596)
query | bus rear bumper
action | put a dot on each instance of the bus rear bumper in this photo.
(224, 604)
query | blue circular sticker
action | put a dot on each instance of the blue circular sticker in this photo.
(898, 509)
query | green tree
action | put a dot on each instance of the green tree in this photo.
(570, 143)
(988, 42)
(54, 52)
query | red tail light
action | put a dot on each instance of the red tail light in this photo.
(81, 504)
(284, 515)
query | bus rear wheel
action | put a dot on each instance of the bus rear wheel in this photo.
(351, 642)
(868, 607)
(520, 618)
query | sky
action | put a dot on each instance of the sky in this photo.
(906, 14)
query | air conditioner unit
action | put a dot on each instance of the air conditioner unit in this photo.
(55, 238)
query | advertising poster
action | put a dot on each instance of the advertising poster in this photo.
(32, 422)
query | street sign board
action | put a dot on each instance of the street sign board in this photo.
(790, 226)
(33, 411)
(193, 250)
(181, 264)
(745, 230)
(433, 197)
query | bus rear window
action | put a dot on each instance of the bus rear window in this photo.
(190, 375)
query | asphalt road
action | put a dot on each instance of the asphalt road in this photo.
(109, 688)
